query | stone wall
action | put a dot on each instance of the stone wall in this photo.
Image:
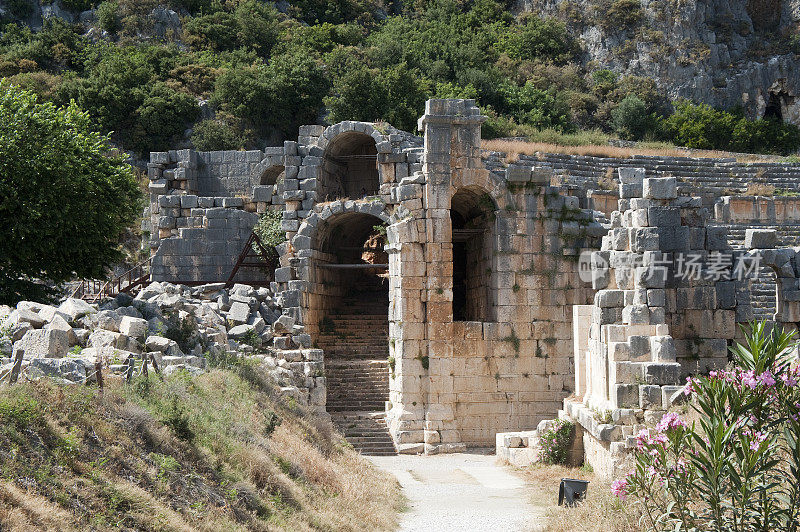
(491, 326)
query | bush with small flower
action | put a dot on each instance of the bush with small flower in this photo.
(554, 442)
(738, 466)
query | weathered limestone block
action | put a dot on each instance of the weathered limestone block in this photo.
(43, 343)
(73, 370)
(760, 238)
(23, 315)
(76, 308)
(660, 188)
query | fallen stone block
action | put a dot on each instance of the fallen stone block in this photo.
(43, 343)
(76, 308)
(73, 370)
(23, 315)
(133, 327)
(760, 238)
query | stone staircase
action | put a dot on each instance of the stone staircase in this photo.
(356, 345)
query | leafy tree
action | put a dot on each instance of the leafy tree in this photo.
(163, 115)
(703, 127)
(357, 95)
(630, 118)
(537, 38)
(108, 17)
(216, 31)
(64, 197)
(216, 134)
(282, 95)
(538, 108)
(395, 95)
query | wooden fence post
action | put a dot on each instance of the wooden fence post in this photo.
(155, 363)
(98, 373)
(129, 372)
(17, 367)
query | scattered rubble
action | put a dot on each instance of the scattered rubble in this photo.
(177, 326)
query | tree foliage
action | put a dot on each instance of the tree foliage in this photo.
(701, 126)
(64, 197)
(263, 72)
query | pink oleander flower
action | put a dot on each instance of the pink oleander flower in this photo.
(670, 420)
(748, 379)
(689, 388)
(766, 378)
(758, 439)
(619, 488)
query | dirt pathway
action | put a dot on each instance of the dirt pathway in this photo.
(455, 492)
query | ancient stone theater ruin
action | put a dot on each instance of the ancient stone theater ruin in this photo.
(458, 297)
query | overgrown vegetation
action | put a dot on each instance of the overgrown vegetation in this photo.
(269, 231)
(52, 161)
(737, 467)
(555, 442)
(214, 452)
(264, 72)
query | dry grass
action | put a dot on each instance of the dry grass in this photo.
(514, 148)
(760, 189)
(215, 452)
(600, 511)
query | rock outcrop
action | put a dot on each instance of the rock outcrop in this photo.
(721, 52)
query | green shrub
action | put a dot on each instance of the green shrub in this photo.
(615, 15)
(703, 127)
(537, 38)
(269, 231)
(20, 8)
(216, 134)
(281, 95)
(217, 31)
(555, 442)
(108, 17)
(630, 119)
(162, 116)
(538, 108)
(76, 6)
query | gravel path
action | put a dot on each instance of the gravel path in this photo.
(454, 492)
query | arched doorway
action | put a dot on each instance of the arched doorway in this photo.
(472, 214)
(271, 175)
(348, 318)
(349, 167)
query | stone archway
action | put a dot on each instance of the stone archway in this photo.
(346, 313)
(349, 167)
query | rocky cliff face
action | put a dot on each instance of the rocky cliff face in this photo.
(722, 52)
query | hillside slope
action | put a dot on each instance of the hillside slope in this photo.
(212, 452)
(166, 74)
(720, 52)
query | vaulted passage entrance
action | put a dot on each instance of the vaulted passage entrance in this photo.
(350, 168)
(348, 317)
(471, 214)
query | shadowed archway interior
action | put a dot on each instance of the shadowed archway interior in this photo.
(472, 216)
(350, 167)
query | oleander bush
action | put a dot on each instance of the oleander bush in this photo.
(737, 466)
(554, 442)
